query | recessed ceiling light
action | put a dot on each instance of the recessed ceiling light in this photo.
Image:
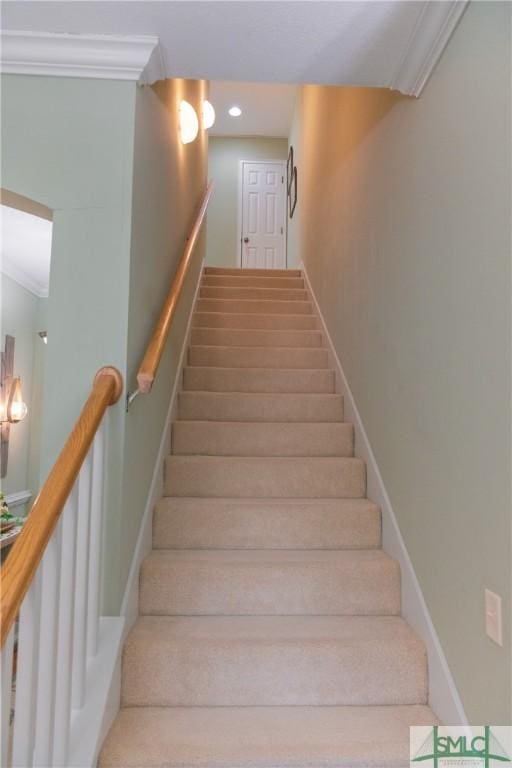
(234, 111)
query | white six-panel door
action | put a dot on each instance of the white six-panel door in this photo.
(263, 231)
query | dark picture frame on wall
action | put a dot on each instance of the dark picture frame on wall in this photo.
(289, 170)
(292, 194)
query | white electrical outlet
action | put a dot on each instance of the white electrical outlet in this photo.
(493, 622)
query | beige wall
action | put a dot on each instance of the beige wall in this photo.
(404, 227)
(223, 159)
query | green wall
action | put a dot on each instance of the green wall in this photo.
(404, 228)
(169, 180)
(223, 159)
(105, 157)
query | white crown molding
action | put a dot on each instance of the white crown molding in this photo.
(111, 57)
(434, 27)
(12, 270)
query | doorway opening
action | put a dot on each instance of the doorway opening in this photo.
(248, 147)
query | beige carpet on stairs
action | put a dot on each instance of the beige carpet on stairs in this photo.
(270, 633)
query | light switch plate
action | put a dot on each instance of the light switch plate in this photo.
(493, 620)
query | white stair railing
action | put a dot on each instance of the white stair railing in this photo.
(50, 624)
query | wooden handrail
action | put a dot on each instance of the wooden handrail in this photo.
(28, 550)
(155, 348)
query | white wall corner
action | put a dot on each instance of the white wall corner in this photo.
(435, 26)
(112, 57)
(443, 695)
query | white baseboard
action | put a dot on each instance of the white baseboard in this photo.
(443, 695)
(130, 604)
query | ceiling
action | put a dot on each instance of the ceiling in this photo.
(267, 108)
(310, 41)
(26, 243)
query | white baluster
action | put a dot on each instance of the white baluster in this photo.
(47, 662)
(82, 585)
(26, 676)
(98, 453)
(6, 697)
(65, 632)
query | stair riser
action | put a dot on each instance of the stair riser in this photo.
(241, 281)
(248, 588)
(259, 407)
(207, 379)
(254, 321)
(233, 672)
(243, 306)
(219, 337)
(258, 294)
(237, 477)
(257, 357)
(252, 272)
(238, 524)
(231, 438)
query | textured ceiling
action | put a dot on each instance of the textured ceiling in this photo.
(351, 43)
(267, 108)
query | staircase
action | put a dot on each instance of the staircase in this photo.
(270, 632)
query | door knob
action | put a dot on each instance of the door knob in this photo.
(246, 239)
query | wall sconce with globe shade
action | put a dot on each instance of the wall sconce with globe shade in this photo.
(12, 407)
(208, 114)
(189, 123)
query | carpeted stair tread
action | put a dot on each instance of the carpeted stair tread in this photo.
(253, 272)
(254, 321)
(266, 523)
(261, 380)
(263, 306)
(269, 582)
(247, 438)
(260, 407)
(251, 292)
(258, 357)
(249, 477)
(252, 281)
(236, 337)
(273, 661)
(263, 737)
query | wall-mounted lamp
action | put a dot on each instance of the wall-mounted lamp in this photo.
(208, 115)
(12, 407)
(189, 124)
(43, 335)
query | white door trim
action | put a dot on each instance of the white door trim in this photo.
(238, 252)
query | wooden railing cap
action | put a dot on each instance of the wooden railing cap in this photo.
(109, 370)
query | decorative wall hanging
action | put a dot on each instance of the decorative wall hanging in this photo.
(292, 195)
(289, 170)
(291, 183)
